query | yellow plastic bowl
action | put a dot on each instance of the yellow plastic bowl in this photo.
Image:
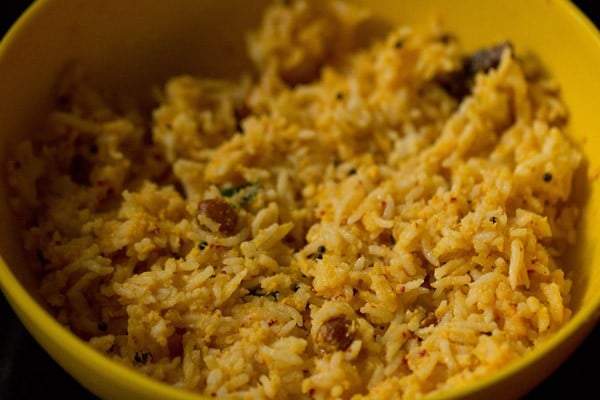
(131, 44)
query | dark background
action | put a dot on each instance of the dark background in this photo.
(27, 372)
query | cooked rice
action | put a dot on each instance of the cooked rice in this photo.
(389, 239)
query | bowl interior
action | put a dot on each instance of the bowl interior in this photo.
(134, 44)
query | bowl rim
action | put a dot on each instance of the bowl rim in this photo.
(28, 309)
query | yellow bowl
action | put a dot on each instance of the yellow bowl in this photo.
(130, 44)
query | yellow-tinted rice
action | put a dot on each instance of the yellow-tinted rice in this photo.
(391, 239)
